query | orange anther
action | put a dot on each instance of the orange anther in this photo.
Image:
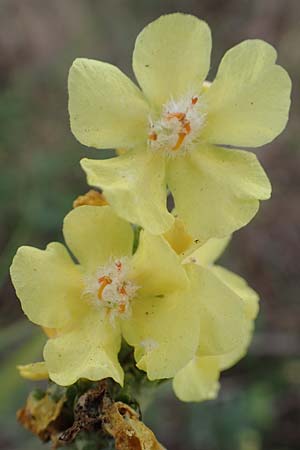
(179, 116)
(122, 307)
(194, 100)
(187, 127)
(119, 265)
(181, 137)
(152, 136)
(104, 281)
(122, 290)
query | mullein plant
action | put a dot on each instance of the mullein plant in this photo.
(138, 297)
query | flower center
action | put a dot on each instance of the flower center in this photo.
(111, 289)
(177, 129)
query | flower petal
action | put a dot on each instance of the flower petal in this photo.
(164, 332)
(241, 288)
(48, 284)
(156, 268)
(178, 237)
(95, 234)
(134, 184)
(248, 103)
(249, 299)
(181, 241)
(106, 109)
(89, 350)
(222, 319)
(34, 371)
(172, 56)
(209, 252)
(216, 190)
(227, 360)
(198, 380)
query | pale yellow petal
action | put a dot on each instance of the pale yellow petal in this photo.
(50, 332)
(134, 184)
(172, 56)
(217, 190)
(248, 103)
(178, 237)
(48, 284)
(156, 268)
(95, 234)
(250, 300)
(241, 288)
(106, 109)
(198, 380)
(227, 360)
(35, 371)
(222, 318)
(164, 331)
(89, 350)
(209, 252)
(182, 241)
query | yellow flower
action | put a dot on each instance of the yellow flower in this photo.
(222, 314)
(92, 303)
(161, 305)
(176, 129)
(198, 380)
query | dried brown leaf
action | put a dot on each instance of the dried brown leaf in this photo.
(123, 424)
(87, 413)
(39, 415)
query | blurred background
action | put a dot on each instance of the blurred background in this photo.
(259, 404)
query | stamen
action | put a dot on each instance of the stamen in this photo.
(119, 265)
(181, 137)
(122, 308)
(112, 286)
(179, 116)
(152, 136)
(122, 290)
(104, 281)
(187, 127)
(177, 130)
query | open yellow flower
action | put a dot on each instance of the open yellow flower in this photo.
(176, 129)
(198, 380)
(92, 303)
(150, 298)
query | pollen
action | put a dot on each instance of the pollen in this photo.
(178, 128)
(110, 289)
